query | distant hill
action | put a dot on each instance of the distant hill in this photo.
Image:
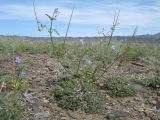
(137, 39)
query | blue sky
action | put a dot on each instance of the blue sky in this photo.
(17, 16)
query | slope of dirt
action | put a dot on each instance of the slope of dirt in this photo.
(41, 105)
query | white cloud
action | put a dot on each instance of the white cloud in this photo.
(98, 14)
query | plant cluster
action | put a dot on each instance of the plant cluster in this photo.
(120, 87)
(152, 80)
(10, 108)
(86, 64)
(75, 94)
(11, 86)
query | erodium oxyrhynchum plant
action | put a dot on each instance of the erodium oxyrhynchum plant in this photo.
(49, 29)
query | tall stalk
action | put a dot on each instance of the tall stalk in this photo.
(41, 26)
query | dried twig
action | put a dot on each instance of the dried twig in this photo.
(119, 56)
(37, 21)
(114, 25)
(2, 86)
(65, 38)
(68, 26)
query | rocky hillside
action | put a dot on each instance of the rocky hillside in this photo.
(139, 38)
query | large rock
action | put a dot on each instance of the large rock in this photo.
(55, 69)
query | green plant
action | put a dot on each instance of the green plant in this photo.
(158, 75)
(10, 108)
(49, 29)
(157, 79)
(6, 80)
(152, 80)
(74, 94)
(67, 94)
(69, 102)
(28, 61)
(20, 67)
(134, 52)
(120, 87)
(19, 84)
(15, 84)
(93, 100)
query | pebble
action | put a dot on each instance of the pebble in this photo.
(131, 105)
(146, 118)
(158, 105)
(158, 93)
(45, 101)
(154, 102)
(47, 114)
(138, 108)
(72, 114)
(63, 118)
(117, 114)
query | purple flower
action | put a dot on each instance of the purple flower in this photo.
(56, 12)
(18, 59)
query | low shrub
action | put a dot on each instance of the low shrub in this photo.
(118, 86)
(75, 94)
(152, 79)
(134, 52)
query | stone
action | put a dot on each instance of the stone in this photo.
(45, 101)
(146, 118)
(53, 65)
(154, 102)
(149, 114)
(131, 104)
(108, 107)
(46, 114)
(117, 114)
(56, 70)
(158, 116)
(142, 115)
(158, 93)
(138, 108)
(124, 118)
(72, 114)
(63, 118)
(158, 105)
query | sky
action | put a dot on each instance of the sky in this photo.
(90, 16)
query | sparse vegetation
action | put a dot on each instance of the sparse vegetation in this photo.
(152, 80)
(10, 108)
(87, 66)
(93, 75)
(75, 94)
(11, 105)
(120, 87)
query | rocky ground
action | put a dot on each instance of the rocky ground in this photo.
(41, 105)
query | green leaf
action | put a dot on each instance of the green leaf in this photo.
(50, 17)
(56, 31)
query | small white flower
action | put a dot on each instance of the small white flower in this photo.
(88, 61)
(23, 73)
(113, 47)
(82, 41)
(18, 59)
